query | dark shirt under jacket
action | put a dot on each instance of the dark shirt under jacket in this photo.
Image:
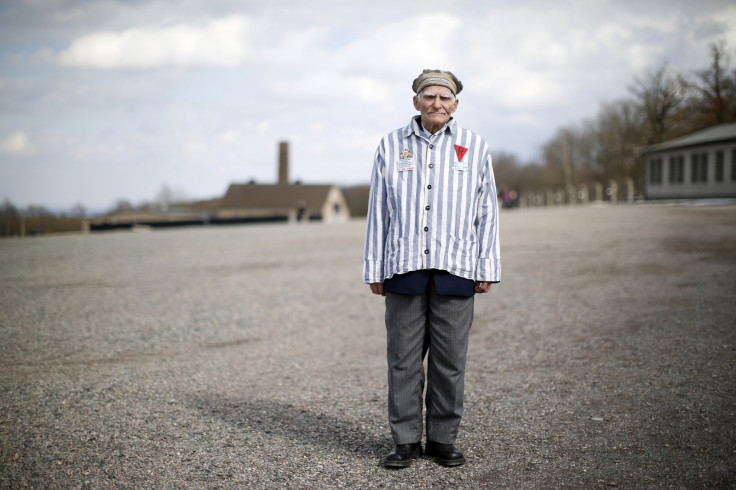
(414, 283)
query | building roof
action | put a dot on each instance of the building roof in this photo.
(356, 198)
(714, 134)
(277, 196)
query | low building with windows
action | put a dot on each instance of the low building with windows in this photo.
(242, 203)
(284, 202)
(696, 166)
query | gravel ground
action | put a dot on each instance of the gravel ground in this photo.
(254, 356)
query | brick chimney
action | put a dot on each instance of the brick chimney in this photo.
(283, 162)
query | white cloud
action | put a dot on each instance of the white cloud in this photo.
(97, 151)
(230, 136)
(562, 55)
(17, 143)
(263, 127)
(727, 17)
(355, 71)
(331, 86)
(425, 40)
(219, 42)
(296, 48)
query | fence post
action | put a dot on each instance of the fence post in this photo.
(583, 194)
(613, 191)
(629, 186)
(598, 190)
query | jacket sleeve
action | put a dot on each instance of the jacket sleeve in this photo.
(377, 222)
(487, 227)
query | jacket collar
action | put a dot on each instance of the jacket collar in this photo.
(415, 127)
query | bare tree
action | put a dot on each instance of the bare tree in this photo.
(37, 210)
(167, 196)
(665, 105)
(120, 206)
(716, 88)
(618, 135)
(10, 218)
(659, 94)
(79, 210)
(164, 198)
(568, 156)
(506, 170)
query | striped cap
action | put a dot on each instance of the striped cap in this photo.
(437, 77)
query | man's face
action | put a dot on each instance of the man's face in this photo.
(436, 105)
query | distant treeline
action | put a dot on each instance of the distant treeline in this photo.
(36, 220)
(664, 104)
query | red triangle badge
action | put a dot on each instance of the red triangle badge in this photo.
(460, 151)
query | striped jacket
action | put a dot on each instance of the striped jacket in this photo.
(432, 205)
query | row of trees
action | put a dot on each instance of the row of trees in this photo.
(165, 198)
(36, 220)
(664, 104)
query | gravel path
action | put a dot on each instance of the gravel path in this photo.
(253, 356)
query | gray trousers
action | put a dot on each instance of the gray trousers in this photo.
(416, 326)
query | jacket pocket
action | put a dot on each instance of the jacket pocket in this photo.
(463, 254)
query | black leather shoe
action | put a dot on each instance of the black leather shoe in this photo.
(445, 454)
(402, 455)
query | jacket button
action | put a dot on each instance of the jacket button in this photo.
(426, 229)
(429, 186)
(426, 252)
(426, 207)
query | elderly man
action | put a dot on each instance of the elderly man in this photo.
(431, 244)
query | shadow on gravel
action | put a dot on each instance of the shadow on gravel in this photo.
(266, 420)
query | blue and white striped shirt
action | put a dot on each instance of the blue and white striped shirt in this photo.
(432, 205)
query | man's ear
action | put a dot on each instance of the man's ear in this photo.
(457, 101)
(416, 103)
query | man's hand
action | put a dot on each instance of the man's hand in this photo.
(482, 286)
(377, 288)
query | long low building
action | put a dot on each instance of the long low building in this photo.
(243, 203)
(297, 202)
(698, 165)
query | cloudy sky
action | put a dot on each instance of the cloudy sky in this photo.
(105, 100)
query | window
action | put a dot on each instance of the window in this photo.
(703, 167)
(699, 167)
(733, 164)
(719, 166)
(655, 171)
(677, 169)
(694, 164)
